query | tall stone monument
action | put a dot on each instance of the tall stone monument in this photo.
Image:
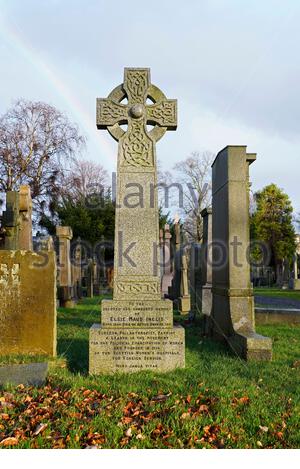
(137, 331)
(233, 300)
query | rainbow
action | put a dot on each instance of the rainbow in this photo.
(12, 35)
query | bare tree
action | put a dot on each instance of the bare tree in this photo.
(84, 179)
(36, 143)
(194, 174)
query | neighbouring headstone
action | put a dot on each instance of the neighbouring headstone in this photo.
(110, 277)
(167, 261)
(161, 246)
(27, 302)
(137, 331)
(76, 269)
(233, 300)
(206, 270)
(285, 274)
(65, 290)
(11, 221)
(90, 278)
(96, 277)
(175, 288)
(295, 280)
(184, 301)
(29, 374)
(25, 214)
(196, 277)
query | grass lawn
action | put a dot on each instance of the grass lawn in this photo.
(278, 293)
(217, 401)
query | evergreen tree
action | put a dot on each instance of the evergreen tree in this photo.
(272, 222)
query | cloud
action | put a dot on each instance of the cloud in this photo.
(232, 65)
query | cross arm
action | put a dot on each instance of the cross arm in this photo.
(110, 113)
(163, 113)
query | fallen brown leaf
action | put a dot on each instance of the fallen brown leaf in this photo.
(10, 441)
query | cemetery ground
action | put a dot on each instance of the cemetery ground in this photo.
(217, 401)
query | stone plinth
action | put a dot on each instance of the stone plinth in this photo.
(184, 304)
(27, 303)
(233, 301)
(137, 331)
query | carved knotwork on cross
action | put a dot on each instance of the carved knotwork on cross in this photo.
(136, 145)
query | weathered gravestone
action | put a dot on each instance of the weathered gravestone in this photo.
(25, 218)
(76, 269)
(206, 270)
(233, 300)
(167, 261)
(17, 220)
(137, 331)
(195, 277)
(90, 278)
(174, 291)
(11, 222)
(27, 302)
(295, 280)
(65, 287)
(184, 301)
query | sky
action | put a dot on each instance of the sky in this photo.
(233, 66)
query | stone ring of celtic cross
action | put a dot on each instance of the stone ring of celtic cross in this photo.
(154, 94)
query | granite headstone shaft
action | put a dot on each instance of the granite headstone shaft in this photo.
(233, 300)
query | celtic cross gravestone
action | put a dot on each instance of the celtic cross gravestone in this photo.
(137, 329)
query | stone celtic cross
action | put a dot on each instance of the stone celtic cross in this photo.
(136, 146)
(136, 232)
(136, 331)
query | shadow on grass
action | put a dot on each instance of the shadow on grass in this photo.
(76, 352)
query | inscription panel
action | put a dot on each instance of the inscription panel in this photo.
(137, 313)
(129, 350)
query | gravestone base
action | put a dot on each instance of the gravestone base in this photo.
(206, 307)
(29, 374)
(233, 319)
(65, 296)
(132, 349)
(251, 346)
(184, 304)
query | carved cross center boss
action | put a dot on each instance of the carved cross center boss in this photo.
(136, 145)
